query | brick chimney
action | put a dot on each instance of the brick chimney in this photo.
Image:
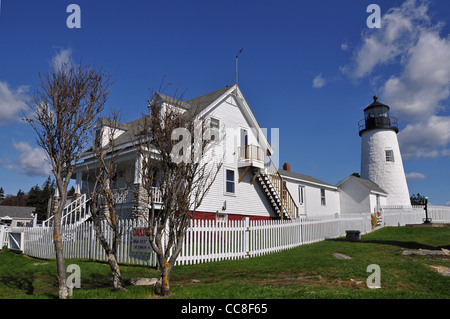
(286, 167)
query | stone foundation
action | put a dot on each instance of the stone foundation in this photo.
(139, 208)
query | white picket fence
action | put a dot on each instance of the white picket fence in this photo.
(410, 215)
(205, 241)
(208, 241)
(3, 236)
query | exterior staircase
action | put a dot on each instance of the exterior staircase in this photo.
(276, 191)
(75, 213)
(270, 180)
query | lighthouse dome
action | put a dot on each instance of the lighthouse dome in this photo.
(376, 116)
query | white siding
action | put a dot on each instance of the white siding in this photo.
(312, 205)
(357, 199)
(248, 199)
(354, 198)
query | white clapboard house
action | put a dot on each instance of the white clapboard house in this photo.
(249, 183)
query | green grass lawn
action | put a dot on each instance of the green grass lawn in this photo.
(306, 272)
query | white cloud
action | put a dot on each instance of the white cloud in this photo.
(319, 81)
(426, 139)
(424, 84)
(63, 56)
(415, 175)
(12, 103)
(31, 161)
(382, 46)
(419, 94)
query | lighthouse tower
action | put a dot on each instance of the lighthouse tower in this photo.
(381, 160)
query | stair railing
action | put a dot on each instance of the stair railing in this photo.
(287, 205)
(76, 211)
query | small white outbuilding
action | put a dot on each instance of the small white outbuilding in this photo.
(359, 195)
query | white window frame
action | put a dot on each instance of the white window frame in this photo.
(215, 131)
(301, 194)
(225, 181)
(389, 156)
(323, 197)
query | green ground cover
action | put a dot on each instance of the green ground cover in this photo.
(306, 272)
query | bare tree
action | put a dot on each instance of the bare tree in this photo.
(64, 107)
(172, 146)
(103, 208)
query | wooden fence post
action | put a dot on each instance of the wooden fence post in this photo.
(246, 237)
(91, 241)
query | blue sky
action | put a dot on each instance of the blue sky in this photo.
(308, 68)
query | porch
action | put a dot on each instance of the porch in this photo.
(252, 156)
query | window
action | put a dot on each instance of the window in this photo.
(301, 194)
(229, 181)
(389, 156)
(98, 137)
(322, 197)
(214, 125)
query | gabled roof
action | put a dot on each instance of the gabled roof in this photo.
(193, 107)
(16, 211)
(369, 185)
(304, 178)
(159, 97)
(111, 123)
(198, 104)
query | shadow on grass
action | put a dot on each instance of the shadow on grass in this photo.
(22, 284)
(399, 243)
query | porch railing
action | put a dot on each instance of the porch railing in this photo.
(252, 153)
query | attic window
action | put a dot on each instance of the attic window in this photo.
(214, 125)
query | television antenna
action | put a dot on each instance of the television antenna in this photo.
(237, 57)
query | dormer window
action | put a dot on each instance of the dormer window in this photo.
(98, 137)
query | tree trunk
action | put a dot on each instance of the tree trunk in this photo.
(165, 274)
(112, 260)
(115, 271)
(60, 262)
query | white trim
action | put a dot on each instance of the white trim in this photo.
(324, 197)
(303, 188)
(245, 108)
(225, 168)
(219, 129)
(309, 182)
(370, 190)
